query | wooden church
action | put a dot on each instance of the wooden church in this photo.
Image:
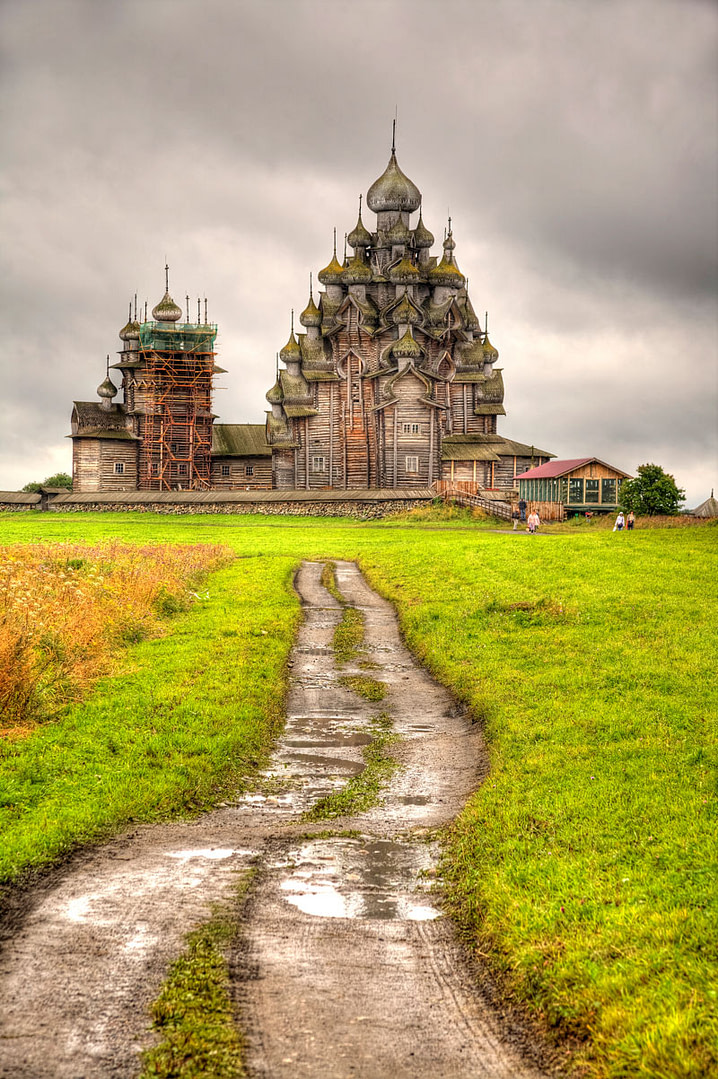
(393, 384)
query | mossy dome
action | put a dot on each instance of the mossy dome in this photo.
(311, 315)
(359, 235)
(275, 395)
(446, 273)
(490, 352)
(291, 353)
(166, 310)
(393, 191)
(399, 233)
(405, 313)
(404, 273)
(422, 236)
(357, 272)
(332, 274)
(407, 348)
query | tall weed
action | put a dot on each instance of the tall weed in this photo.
(67, 608)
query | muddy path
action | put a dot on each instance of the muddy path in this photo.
(343, 965)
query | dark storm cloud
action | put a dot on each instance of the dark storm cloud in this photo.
(575, 144)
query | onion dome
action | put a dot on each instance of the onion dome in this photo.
(357, 272)
(446, 273)
(311, 315)
(166, 310)
(405, 313)
(131, 330)
(359, 235)
(291, 353)
(107, 389)
(491, 353)
(422, 236)
(275, 395)
(404, 273)
(332, 274)
(399, 233)
(393, 190)
(407, 348)
(449, 242)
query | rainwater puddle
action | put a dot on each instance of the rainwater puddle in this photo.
(378, 879)
(212, 853)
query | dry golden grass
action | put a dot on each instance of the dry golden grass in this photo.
(67, 608)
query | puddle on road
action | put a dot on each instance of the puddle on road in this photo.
(212, 853)
(379, 879)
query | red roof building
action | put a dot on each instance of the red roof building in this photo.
(577, 485)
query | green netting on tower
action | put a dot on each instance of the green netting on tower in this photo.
(178, 337)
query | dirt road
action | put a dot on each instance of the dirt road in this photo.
(343, 966)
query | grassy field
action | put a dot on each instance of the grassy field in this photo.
(584, 868)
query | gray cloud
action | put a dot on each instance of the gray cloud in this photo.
(575, 144)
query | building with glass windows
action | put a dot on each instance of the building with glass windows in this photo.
(580, 485)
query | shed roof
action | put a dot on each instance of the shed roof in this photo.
(240, 440)
(552, 469)
(20, 498)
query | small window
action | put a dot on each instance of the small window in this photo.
(155, 470)
(319, 464)
(249, 470)
(575, 490)
(173, 447)
(412, 464)
(119, 468)
(410, 428)
(608, 492)
(225, 470)
(592, 490)
(181, 470)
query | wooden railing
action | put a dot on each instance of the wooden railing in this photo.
(465, 494)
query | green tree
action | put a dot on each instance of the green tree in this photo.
(60, 479)
(652, 492)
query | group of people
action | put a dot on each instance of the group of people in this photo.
(533, 522)
(624, 522)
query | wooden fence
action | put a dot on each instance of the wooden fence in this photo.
(465, 494)
(469, 494)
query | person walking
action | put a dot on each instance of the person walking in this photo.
(630, 521)
(533, 522)
(522, 509)
(620, 522)
(515, 516)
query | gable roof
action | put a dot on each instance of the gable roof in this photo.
(240, 440)
(559, 468)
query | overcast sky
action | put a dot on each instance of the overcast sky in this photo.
(573, 141)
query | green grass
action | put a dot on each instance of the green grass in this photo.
(363, 790)
(193, 1013)
(190, 716)
(584, 866)
(371, 689)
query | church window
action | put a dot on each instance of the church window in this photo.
(249, 470)
(592, 490)
(412, 464)
(173, 447)
(182, 470)
(575, 490)
(608, 491)
(225, 470)
(119, 468)
(319, 464)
